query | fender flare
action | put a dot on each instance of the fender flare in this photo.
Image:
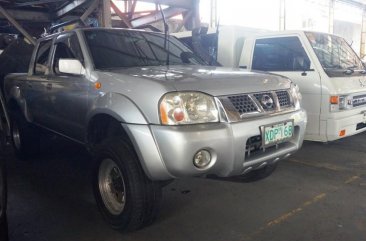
(15, 94)
(119, 107)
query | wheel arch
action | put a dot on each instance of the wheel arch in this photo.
(103, 125)
(16, 102)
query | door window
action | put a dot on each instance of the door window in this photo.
(280, 54)
(42, 58)
(67, 47)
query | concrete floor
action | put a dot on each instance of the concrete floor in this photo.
(318, 194)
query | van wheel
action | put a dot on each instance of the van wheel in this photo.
(259, 174)
(127, 199)
(25, 138)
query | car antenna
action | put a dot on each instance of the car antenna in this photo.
(166, 30)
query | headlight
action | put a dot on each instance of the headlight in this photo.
(296, 96)
(340, 102)
(179, 108)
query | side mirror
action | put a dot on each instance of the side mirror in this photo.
(70, 66)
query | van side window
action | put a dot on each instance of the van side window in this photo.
(67, 48)
(42, 58)
(280, 54)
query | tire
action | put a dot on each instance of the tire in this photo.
(259, 174)
(130, 201)
(25, 138)
(3, 199)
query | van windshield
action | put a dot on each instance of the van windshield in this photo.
(335, 55)
(116, 48)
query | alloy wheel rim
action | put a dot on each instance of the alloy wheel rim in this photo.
(16, 136)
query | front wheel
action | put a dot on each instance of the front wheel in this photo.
(127, 199)
(25, 138)
(3, 221)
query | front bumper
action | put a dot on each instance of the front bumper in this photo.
(353, 123)
(176, 146)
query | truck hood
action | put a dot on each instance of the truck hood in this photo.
(215, 81)
(348, 84)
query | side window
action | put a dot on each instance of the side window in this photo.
(280, 54)
(41, 64)
(67, 48)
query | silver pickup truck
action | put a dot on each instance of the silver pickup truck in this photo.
(149, 110)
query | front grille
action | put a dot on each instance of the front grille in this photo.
(359, 100)
(283, 98)
(268, 105)
(243, 104)
(254, 147)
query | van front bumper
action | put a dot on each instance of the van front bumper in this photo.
(352, 124)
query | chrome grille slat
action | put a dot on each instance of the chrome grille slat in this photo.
(241, 106)
(359, 100)
(283, 98)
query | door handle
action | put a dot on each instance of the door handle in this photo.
(49, 86)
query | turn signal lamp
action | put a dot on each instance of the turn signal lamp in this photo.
(334, 100)
(97, 85)
(342, 133)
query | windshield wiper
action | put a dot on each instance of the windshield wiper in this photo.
(350, 70)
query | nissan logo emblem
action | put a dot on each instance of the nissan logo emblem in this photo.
(267, 101)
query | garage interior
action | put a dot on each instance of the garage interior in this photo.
(318, 193)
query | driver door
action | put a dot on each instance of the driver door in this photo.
(68, 93)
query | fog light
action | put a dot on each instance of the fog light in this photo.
(202, 158)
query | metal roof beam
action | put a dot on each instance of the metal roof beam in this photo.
(121, 15)
(36, 3)
(156, 16)
(32, 16)
(17, 25)
(70, 7)
(187, 4)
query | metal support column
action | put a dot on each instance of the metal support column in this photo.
(282, 20)
(363, 34)
(17, 25)
(213, 16)
(331, 16)
(105, 15)
(196, 16)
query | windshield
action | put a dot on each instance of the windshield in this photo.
(335, 55)
(115, 48)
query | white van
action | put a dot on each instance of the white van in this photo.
(330, 75)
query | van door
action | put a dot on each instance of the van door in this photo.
(287, 56)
